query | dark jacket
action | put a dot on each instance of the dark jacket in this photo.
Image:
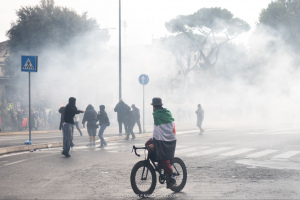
(102, 117)
(130, 119)
(71, 111)
(122, 109)
(90, 116)
(136, 113)
(62, 113)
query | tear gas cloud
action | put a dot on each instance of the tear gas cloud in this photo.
(256, 85)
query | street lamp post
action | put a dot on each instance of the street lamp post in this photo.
(120, 72)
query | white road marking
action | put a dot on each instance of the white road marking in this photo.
(286, 155)
(261, 153)
(211, 151)
(181, 151)
(14, 162)
(237, 152)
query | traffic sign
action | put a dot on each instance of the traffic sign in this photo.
(143, 79)
(29, 63)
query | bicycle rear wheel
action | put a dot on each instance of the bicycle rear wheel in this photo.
(179, 173)
(143, 178)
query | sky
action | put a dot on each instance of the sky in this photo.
(144, 19)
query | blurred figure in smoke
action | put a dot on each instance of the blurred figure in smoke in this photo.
(90, 116)
(130, 125)
(76, 121)
(136, 117)
(200, 116)
(103, 122)
(68, 125)
(122, 110)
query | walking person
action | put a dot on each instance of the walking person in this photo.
(122, 111)
(90, 116)
(200, 116)
(103, 122)
(130, 125)
(68, 125)
(136, 116)
(76, 121)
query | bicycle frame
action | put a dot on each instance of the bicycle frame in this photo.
(149, 161)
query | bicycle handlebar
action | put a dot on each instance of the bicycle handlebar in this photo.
(135, 148)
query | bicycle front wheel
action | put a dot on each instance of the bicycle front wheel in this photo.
(179, 173)
(143, 178)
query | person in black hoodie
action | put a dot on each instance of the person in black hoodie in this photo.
(103, 122)
(130, 124)
(68, 125)
(122, 110)
(90, 116)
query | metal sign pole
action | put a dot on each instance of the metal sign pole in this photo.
(29, 110)
(144, 109)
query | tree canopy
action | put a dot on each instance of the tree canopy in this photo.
(199, 36)
(283, 16)
(46, 25)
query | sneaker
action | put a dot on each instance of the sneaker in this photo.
(105, 144)
(93, 144)
(171, 182)
(89, 144)
(126, 138)
(133, 138)
(66, 154)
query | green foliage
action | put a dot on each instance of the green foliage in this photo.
(283, 16)
(200, 36)
(45, 26)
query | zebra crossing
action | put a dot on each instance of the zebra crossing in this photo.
(191, 151)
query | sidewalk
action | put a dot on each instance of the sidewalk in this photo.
(111, 134)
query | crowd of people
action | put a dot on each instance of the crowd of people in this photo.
(14, 116)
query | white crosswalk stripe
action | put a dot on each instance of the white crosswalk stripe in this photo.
(286, 155)
(181, 151)
(261, 153)
(211, 151)
(237, 152)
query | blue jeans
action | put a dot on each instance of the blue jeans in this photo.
(100, 134)
(67, 137)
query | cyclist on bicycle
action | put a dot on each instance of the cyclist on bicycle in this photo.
(163, 141)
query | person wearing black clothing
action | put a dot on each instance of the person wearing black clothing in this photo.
(68, 125)
(90, 116)
(103, 122)
(62, 113)
(130, 123)
(136, 116)
(122, 110)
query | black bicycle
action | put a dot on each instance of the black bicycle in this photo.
(143, 176)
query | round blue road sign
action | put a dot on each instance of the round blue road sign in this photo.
(143, 79)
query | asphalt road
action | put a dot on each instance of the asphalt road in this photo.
(234, 163)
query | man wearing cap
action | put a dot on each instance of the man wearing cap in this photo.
(163, 141)
(68, 125)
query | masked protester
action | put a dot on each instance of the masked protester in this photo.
(68, 125)
(103, 122)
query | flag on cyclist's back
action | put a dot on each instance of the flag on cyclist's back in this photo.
(164, 134)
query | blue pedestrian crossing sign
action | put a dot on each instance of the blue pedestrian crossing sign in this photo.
(143, 79)
(29, 63)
